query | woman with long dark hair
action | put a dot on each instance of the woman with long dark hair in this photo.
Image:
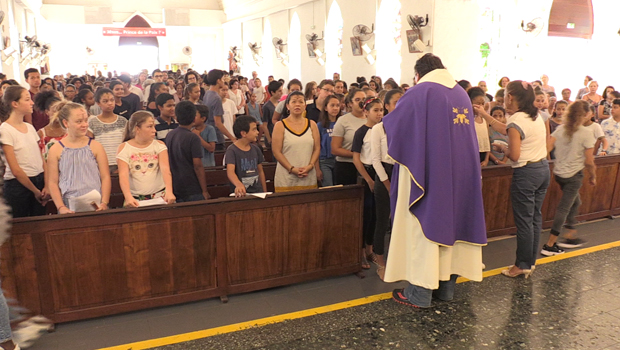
(527, 151)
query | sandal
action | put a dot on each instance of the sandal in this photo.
(365, 263)
(381, 272)
(372, 257)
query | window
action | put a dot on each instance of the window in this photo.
(266, 52)
(388, 41)
(333, 41)
(294, 48)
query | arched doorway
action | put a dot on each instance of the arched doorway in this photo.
(143, 52)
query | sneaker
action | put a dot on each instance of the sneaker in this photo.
(399, 297)
(571, 243)
(551, 251)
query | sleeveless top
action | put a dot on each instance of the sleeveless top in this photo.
(78, 172)
(297, 148)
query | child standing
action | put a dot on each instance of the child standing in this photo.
(574, 151)
(244, 158)
(208, 137)
(327, 119)
(499, 113)
(476, 95)
(373, 111)
(78, 165)
(255, 110)
(611, 128)
(143, 168)
(165, 122)
(601, 147)
(107, 128)
(52, 132)
(24, 181)
(383, 166)
(230, 109)
(185, 156)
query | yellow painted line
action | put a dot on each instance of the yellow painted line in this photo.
(181, 338)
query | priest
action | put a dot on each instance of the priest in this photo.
(436, 194)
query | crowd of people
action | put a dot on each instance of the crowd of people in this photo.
(64, 137)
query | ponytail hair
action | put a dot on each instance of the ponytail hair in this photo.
(188, 90)
(136, 120)
(572, 118)
(523, 93)
(64, 109)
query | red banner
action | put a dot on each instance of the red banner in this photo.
(144, 32)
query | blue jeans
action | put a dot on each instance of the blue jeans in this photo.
(422, 297)
(527, 193)
(5, 324)
(191, 198)
(327, 167)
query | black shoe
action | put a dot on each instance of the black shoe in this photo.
(551, 251)
(571, 243)
(399, 296)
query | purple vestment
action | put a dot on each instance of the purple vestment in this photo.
(431, 133)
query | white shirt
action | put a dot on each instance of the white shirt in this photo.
(378, 151)
(26, 150)
(533, 137)
(611, 128)
(230, 110)
(237, 98)
(136, 90)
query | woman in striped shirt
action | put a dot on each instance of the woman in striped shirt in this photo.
(78, 166)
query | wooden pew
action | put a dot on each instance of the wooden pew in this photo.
(78, 266)
(602, 200)
(217, 185)
(219, 156)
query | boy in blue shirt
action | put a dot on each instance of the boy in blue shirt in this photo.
(207, 135)
(244, 158)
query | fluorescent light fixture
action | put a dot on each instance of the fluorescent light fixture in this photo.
(370, 59)
(366, 48)
(318, 52)
(9, 60)
(283, 55)
(320, 61)
(419, 45)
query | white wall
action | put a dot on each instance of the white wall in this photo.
(69, 36)
(356, 12)
(279, 28)
(312, 17)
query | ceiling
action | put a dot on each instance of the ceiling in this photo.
(144, 6)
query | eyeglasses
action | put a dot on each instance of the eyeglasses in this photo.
(328, 90)
(158, 76)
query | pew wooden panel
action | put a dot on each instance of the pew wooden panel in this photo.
(217, 185)
(77, 266)
(602, 200)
